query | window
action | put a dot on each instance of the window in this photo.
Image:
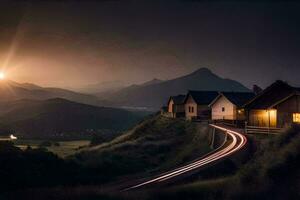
(191, 109)
(296, 117)
(223, 109)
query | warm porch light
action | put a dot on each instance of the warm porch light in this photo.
(272, 112)
(272, 117)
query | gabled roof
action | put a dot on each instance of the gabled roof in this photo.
(236, 98)
(273, 94)
(202, 97)
(179, 99)
(239, 98)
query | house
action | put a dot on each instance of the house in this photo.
(228, 106)
(176, 106)
(277, 106)
(196, 104)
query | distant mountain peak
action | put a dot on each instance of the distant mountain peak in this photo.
(202, 70)
(28, 86)
(57, 100)
(153, 81)
(155, 95)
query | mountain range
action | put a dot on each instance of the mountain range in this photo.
(11, 91)
(150, 95)
(61, 117)
(154, 94)
(35, 111)
(109, 87)
(106, 86)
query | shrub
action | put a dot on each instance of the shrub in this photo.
(46, 144)
(97, 139)
(56, 144)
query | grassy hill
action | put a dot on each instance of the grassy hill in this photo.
(56, 117)
(272, 173)
(159, 143)
(155, 144)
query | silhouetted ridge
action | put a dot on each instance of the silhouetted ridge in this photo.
(58, 116)
(154, 96)
(202, 71)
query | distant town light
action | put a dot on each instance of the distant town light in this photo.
(12, 137)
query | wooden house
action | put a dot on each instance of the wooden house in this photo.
(228, 106)
(196, 104)
(277, 106)
(176, 106)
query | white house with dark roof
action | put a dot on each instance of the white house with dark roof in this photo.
(229, 106)
(196, 104)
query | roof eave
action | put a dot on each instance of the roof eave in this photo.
(284, 99)
(215, 99)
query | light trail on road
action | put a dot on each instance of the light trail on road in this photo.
(238, 141)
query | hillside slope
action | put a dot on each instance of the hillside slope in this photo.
(153, 96)
(272, 173)
(10, 91)
(158, 143)
(57, 116)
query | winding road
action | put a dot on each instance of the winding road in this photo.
(238, 142)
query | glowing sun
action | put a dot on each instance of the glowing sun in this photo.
(2, 76)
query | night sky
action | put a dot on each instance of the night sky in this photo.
(73, 43)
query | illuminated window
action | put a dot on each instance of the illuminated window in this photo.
(296, 117)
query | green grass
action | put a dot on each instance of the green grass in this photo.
(272, 173)
(151, 147)
(208, 189)
(154, 145)
(64, 149)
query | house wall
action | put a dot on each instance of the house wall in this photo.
(180, 108)
(230, 112)
(170, 106)
(198, 111)
(286, 109)
(176, 110)
(203, 112)
(240, 114)
(262, 118)
(190, 103)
